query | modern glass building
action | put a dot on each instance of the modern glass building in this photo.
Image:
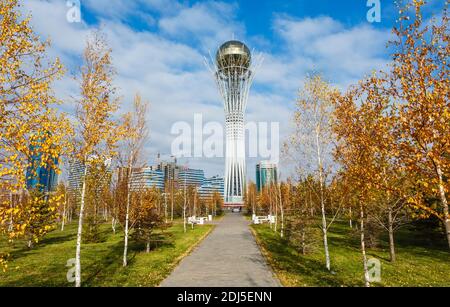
(76, 172)
(210, 186)
(266, 174)
(41, 177)
(190, 177)
(75, 177)
(170, 170)
(45, 179)
(147, 178)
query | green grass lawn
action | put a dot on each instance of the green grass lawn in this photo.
(422, 260)
(45, 264)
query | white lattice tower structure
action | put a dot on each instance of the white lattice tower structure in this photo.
(234, 75)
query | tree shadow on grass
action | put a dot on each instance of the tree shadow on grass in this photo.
(53, 275)
(351, 242)
(109, 269)
(287, 259)
(429, 243)
(407, 238)
(19, 249)
(106, 266)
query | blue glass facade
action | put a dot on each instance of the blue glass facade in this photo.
(191, 177)
(41, 177)
(210, 186)
(266, 174)
(76, 173)
(147, 178)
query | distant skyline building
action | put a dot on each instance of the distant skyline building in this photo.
(147, 178)
(211, 186)
(41, 177)
(234, 76)
(266, 174)
(167, 176)
(190, 177)
(171, 172)
(45, 179)
(215, 181)
(75, 176)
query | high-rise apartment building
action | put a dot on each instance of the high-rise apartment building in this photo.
(41, 177)
(210, 186)
(147, 178)
(266, 174)
(76, 173)
(190, 177)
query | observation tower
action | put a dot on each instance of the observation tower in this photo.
(233, 71)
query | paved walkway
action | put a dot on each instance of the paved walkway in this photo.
(228, 257)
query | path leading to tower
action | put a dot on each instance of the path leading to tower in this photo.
(228, 257)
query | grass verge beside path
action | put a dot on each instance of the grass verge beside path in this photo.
(45, 265)
(420, 260)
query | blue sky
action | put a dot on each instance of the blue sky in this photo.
(256, 16)
(159, 48)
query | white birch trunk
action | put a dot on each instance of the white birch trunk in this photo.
(444, 203)
(281, 213)
(322, 203)
(79, 233)
(184, 212)
(195, 203)
(64, 212)
(276, 213)
(184, 205)
(363, 249)
(391, 236)
(165, 208)
(253, 205)
(171, 201)
(282, 222)
(113, 225)
(127, 215)
(351, 218)
(184, 218)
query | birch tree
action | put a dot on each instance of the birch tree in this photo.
(420, 86)
(27, 111)
(390, 181)
(136, 134)
(146, 217)
(301, 228)
(283, 192)
(354, 154)
(97, 131)
(313, 141)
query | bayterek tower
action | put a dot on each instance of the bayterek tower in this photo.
(234, 76)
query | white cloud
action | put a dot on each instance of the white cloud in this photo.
(301, 32)
(49, 20)
(209, 23)
(167, 67)
(342, 54)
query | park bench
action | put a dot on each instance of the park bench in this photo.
(197, 220)
(263, 219)
(260, 220)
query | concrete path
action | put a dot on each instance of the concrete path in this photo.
(228, 257)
